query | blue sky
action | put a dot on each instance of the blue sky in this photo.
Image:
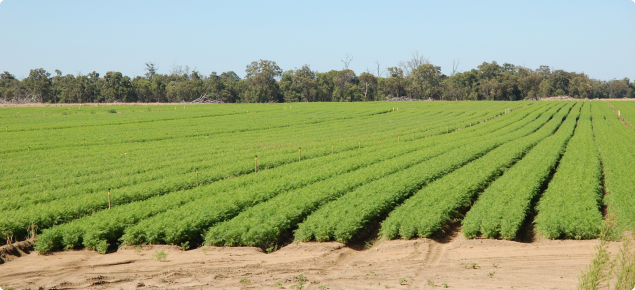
(595, 37)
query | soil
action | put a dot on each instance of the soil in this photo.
(542, 264)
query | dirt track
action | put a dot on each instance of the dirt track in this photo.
(543, 264)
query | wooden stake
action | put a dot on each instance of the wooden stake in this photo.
(332, 149)
(109, 198)
(29, 148)
(256, 163)
(196, 176)
(360, 144)
(397, 138)
(300, 154)
(196, 133)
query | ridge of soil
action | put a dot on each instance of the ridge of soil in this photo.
(542, 264)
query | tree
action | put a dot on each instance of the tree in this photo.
(261, 81)
(151, 70)
(38, 84)
(368, 85)
(425, 83)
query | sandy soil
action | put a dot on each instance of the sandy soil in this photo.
(543, 264)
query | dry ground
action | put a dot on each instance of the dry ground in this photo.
(543, 264)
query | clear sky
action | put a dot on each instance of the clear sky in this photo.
(595, 37)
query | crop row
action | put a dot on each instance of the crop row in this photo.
(346, 217)
(503, 207)
(42, 192)
(570, 207)
(264, 223)
(434, 206)
(87, 160)
(615, 144)
(195, 217)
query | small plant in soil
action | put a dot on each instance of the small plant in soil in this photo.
(491, 274)
(160, 256)
(244, 280)
(403, 281)
(431, 283)
(472, 266)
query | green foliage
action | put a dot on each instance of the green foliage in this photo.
(570, 207)
(502, 208)
(436, 204)
(112, 111)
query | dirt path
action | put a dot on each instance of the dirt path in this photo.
(543, 264)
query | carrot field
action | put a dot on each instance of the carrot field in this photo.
(263, 175)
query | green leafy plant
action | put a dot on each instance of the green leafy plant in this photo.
(445, 285)
(279, 284)
(491, 274)
(431, 283)
(301, 281)
(185, 246)
(472, 266)
(137, 250)
(322, 287)
(112, 111)
(403, 281)
(244, 280)
(160, 256)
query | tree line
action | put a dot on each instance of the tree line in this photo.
(265, 81)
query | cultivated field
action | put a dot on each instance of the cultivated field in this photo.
(267, 175)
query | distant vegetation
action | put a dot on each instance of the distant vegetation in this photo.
(265, 81)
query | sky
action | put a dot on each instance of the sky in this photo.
(594, 37)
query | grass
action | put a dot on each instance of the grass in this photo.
(160, 256)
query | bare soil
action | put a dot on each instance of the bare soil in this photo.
(542, 264)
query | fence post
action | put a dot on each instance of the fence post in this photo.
(196, 176)
(256, 170)
(109, 198)
(299, 154)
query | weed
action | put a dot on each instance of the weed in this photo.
(244, 280)
(432, 284)
(279, 284)
(205, 251)
(495, 266)
(387, 286)
(445, 285)
(263, 261)
(403, 281)
(472, 266)
(322, 287)
(112, 111)
(137, 250)
(272, 248)
(301, 281)
(491, 274)
(185, 246)
(160, 256)
(372, 272)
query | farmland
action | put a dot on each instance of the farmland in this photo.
(265, 175)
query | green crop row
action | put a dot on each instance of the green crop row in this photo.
(188, 222)
(430, 209)
(503, 207)
(570, 207)
(41, 192)
(615, 144)
(264, 223)
(60, 210)
(346, 217)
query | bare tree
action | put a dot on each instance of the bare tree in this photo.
(416, 60)
(179, 70)
(455, 66)
(151, 69)
(347, 61)
(379, 71)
